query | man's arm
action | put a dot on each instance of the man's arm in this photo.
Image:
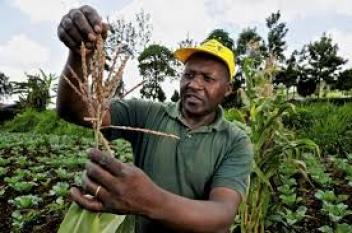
(79, 25)
(213, 215)
(125, 189)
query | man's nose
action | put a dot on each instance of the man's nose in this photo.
(196, 82)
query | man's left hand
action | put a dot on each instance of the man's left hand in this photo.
(117, 187)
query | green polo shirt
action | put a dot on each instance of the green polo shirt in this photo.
(217, 155)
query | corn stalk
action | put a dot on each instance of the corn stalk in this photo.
(272, 143)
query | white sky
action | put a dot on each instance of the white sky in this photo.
(28, 38)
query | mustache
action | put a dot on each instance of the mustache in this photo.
(192, 94)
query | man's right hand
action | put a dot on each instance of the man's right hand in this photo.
(83, 24)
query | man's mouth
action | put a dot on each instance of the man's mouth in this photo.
(193, 98)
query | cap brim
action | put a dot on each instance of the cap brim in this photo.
(184, 53)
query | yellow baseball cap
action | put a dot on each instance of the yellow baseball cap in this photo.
(212, 47)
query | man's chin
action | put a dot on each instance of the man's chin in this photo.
(193, 110)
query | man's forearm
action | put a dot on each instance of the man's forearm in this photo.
(69, 105)
(183, 214)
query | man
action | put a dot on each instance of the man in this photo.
(194, 184)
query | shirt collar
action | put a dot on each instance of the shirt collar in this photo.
(173, 110)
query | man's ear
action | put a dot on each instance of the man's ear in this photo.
(228, 90)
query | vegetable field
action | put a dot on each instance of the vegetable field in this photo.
(36, 172)
(37, 169)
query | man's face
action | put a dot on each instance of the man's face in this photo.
(204, 84)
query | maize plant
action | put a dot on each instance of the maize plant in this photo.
(272, 143)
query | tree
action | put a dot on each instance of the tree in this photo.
(135, 34)
(5, 86)
(156, 63)
(250, 44)
(175, 97)
(223, 37)
(245, 38)
(188, 42)
(289, 75)
(306, 87)
(344, 82)
(276, 35)
(35, 93)
(161, 95)
(234, 100)
(120, 90)
(321, 62)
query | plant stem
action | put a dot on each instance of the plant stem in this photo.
(148, 131)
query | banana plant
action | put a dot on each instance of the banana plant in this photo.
(35, 93)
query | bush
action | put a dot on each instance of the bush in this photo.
(329, 125)
(336, 101)
(46, 122)
(7, 112)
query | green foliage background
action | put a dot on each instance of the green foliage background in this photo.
(329, 125)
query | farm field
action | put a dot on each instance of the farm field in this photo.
(37, 169)
(281, 72)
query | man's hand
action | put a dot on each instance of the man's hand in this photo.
(81, 25)
(125, 189)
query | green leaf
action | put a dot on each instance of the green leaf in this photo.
(3, 171)
(328, 196)
(343, 228)
(60, 189)
(25, 202)
(325, 229)
(79, 220)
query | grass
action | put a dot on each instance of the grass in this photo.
(43, 123)
(328, 125)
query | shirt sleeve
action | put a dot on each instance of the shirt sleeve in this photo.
(234, 169)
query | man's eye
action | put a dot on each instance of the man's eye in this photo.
(208, 78)
(187, 75)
